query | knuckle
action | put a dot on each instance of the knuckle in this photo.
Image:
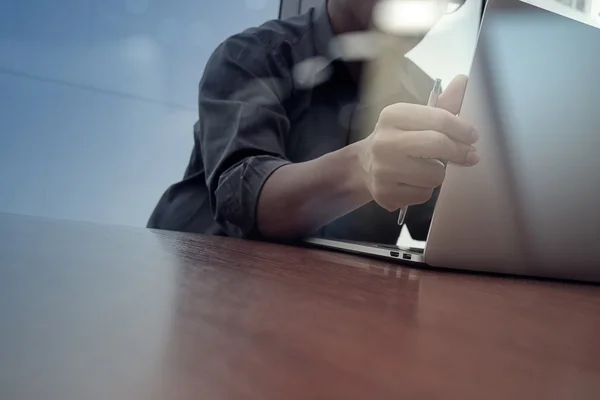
(386, 113)
(378, 146)
(389, 114)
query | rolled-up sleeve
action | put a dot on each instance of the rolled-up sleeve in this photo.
(242, 129)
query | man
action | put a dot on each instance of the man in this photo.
(274, 159)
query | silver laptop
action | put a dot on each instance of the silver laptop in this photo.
(531, 206)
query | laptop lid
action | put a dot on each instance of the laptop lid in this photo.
(529, 207)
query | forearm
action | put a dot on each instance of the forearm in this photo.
(298, 199)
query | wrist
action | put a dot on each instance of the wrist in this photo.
(356, 176)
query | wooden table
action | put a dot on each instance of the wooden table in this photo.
(95, 312)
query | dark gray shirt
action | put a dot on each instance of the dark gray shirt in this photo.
(255, 117)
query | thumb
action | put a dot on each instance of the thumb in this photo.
(451, 99)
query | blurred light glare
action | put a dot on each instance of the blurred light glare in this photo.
(407, 17)
(311, 72)
(355, 46)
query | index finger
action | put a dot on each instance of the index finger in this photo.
(451, 98)
(415, 117)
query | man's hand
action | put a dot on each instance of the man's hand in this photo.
(397, 165)
(399, 161)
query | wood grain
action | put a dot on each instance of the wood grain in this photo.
(96, 312)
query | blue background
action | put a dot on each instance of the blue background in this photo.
(98, 100)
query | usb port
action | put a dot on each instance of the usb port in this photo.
(407, 256)
(394, 254)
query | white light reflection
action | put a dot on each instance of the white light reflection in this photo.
(311, 72)
(406, 17)
(355, 46)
